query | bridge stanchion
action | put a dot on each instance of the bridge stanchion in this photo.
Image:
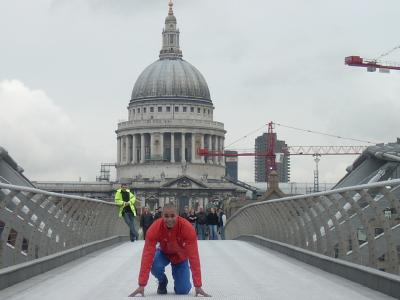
(281, 229)
(316, 226)
(381, 222)
(271, 226)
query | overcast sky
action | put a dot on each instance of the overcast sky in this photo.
(67, 69)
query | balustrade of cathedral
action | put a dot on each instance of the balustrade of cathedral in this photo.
(169, 147)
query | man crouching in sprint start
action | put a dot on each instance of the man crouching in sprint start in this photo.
(178, 246)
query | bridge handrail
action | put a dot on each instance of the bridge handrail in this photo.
(360, 223)
(35, 223)
(330, 192)
(35, 190)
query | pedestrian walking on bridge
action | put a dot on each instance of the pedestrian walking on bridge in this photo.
(125, 199)
(146, 219)
(222, 223)
(157, 213)
(201, 222)
(212, 222)
(178, 247)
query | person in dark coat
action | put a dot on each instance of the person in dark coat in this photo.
(213, 222)
(185, 213)
(192, 218)
(201, 222)
(222, 223)
(146, 220)
(157, 214)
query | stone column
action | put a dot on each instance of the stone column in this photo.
(123, 148)
(183, 146)
(118, 150)
(142, 153)
(162, 145)
(202, 143)
(210, 158)
(215, 148)
(223, 150)
(172, 147)
(134, 152)
(193, 148)
(129, 156)
(152, 148)
(218, 147)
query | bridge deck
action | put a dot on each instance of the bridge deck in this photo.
(231, 270)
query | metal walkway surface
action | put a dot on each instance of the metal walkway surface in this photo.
(230, 269)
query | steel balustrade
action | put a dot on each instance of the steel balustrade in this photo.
(36, 223)
(360, 224)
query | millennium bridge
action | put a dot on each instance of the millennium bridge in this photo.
(339, 244)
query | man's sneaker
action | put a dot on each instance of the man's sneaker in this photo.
(162, 287)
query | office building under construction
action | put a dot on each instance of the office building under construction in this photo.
(282, 161)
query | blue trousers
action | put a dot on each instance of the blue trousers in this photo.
(180, 273)
(213, 232)
(201, 231)
(129, 219)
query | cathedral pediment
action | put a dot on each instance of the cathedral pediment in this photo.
(185, 182)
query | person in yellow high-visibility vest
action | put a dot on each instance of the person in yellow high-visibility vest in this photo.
(125, 199)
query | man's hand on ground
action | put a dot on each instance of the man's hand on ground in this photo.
(139, 290)
(199, 291)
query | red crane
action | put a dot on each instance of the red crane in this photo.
(270, 162)
(371, 64)
(270, 155)
(325, 150)
(293, 150)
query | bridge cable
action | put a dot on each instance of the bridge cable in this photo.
(245, 136)
(303, 130)
(388, 52)
(326, 134)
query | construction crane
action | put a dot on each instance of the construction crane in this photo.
(373, 64)
(324, 150)
(291, 150)
(270, 161)
(270, 155)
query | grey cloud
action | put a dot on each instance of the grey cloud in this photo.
(38, 134)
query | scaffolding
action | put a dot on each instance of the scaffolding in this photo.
(105, 172)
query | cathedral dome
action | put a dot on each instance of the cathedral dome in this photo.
(171, 78)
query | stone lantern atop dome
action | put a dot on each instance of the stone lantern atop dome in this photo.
(170, 46)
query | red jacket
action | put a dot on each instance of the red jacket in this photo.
(178, 244)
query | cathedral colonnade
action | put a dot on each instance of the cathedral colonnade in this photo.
(171, 147)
